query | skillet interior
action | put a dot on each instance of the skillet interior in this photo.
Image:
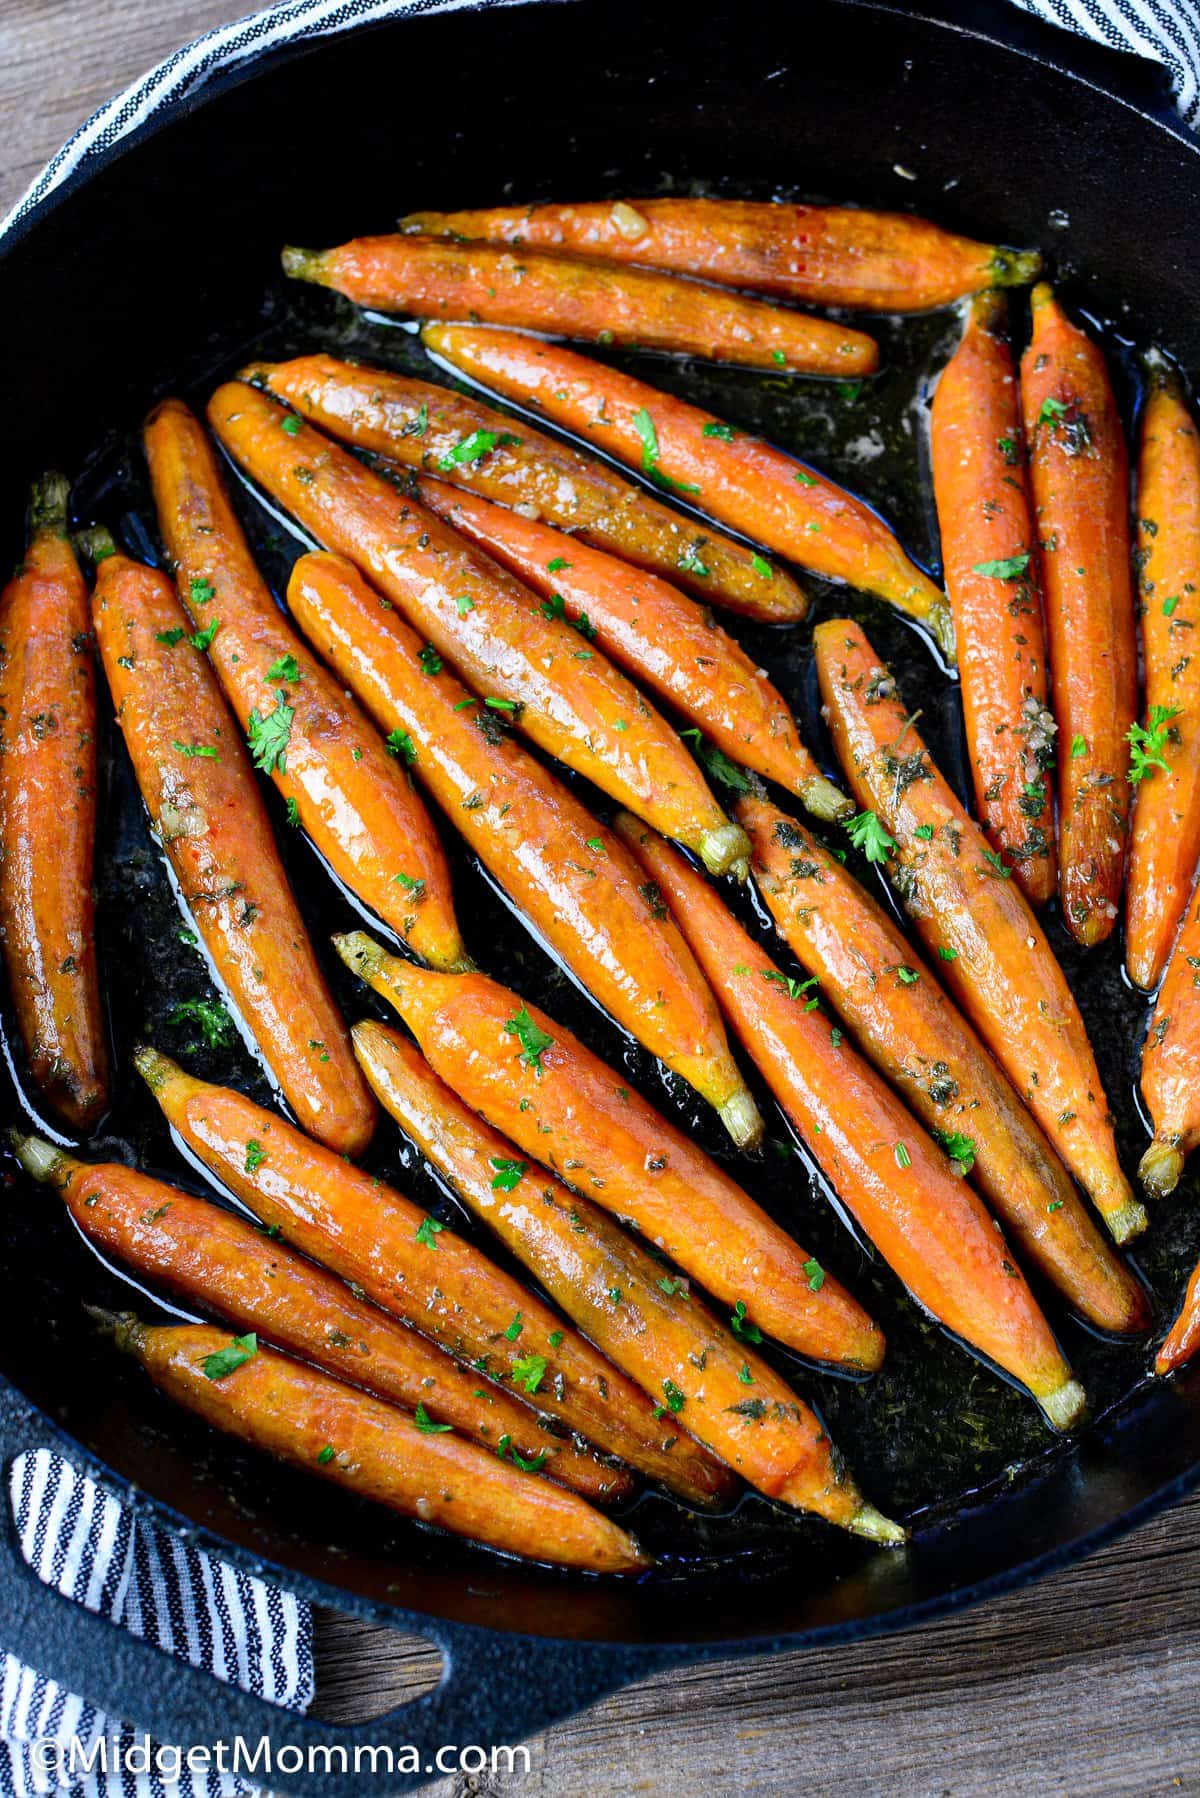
(160, 274)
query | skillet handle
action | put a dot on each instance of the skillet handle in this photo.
(1138, 81)
(494, 1688)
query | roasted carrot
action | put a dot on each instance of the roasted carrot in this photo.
(657, 634)
(567, 697)
(1171, 1061)
(1165, 845)
(48, 816)
(200, 791)
(572, 296)
(928, 1225)
(1080, 477)
(737, 478)
(208, 1256)
(1183, 1338)
(829, 255)
(537, 1084)
(973, 916)
(993, 580)
(353, 797)
(905, 1024)
(421, 1271)
(314, 1422)
(577, 885)
(648, 1322)
(454, 435)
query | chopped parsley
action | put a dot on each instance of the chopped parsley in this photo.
(428, 1231)
(398, 742)
(431, 661)
(714, 429)
(255, 1156)
(1147, 742)
(643, 424)
(285, 668)
(201, 591)
(1009, 568)
(515, 1327)
(474, 448)
(959, 1148)
(508, 1173)
(903, 1158)
(426, 1424)
(814, 1273)
(197, 749)
(269, 736)
(529, 1371)
(741, 1326)
(868, 834)
(534, 1041)
(223, 1362)
(1078, 748)
(675, 1398)
(215, 1023)
(534, 1464)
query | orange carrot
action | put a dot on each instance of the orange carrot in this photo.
(423, 1272)
(454, 435)
(352, 796)
(656, 633)
(1080, 476)
(734, 477)
(537, 1084)
(1171, 1061)
(927, 1224)
(568, 296)
(828, 255)
(202, 798)
(567, 697)
(313, 1422)
(989, 548)
(646, 1321)
(973, 916)
(48, 816)
(1183, 1338)
(577, 885)
(904, 1022)
(208, 1256)
(1165, 846)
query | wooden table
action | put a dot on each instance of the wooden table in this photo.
(1087, 1684)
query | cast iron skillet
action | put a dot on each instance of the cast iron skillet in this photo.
(146, 275)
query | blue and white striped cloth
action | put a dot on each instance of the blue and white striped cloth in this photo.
(84, 1541)
(78, 1537)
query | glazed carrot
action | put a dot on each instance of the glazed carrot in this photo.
(647, 1321)
(1080, 476)
(423, 1272)
(208, 1256)
(739, 479)
(993, 580)
(48, 816)
(304, 1417)
(353, 798)
(829, 255)
(577, 885)
(1183, 1338)
(657, 634)
(1165, 845)
(569, 296)
(928, 1225)
(568, 698)
(905, 1024)
(200, 791)
(973, 916)
(537, 1084)
(1171, 1061)
(454, 435)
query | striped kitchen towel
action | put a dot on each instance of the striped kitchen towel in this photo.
(82, 1540)
(1166, 30)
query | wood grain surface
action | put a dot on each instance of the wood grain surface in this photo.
(1088, 1684)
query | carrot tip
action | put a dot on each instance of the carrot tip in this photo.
(941, 625)
(1067, 1407)
(95, 544)
(1166, 1362)
(360, 952)
(48, 499)
(872, 1524)
(742, 1118)
(303, 265)
(1128, 1221)
(725, 850)
(154, 1067)
(1159, 1170)
(125, 1327)
(824, 800)
(1015, 268)
(39, 1158)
